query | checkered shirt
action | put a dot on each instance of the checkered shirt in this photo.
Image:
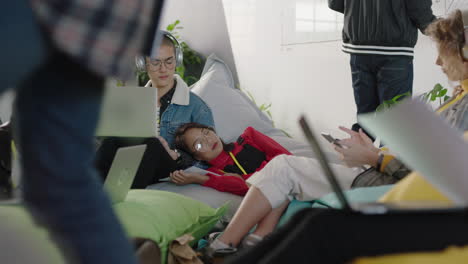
(103, 35)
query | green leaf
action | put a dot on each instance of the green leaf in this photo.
(120, 83)
(446, 98)
(286, 133)
(170, 27)
(398, 97)
(442, 92)
(180, 71)
(380, 108)
(438, 87)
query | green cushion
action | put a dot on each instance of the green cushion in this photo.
(163, 216)
(358, 195)
(29, 242)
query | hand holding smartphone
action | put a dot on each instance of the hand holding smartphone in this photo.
(331, 139)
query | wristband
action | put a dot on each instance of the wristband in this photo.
(379, 162)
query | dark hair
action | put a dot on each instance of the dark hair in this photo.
(180, 137)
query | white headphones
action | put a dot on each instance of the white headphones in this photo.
(140, 61)
(464, 49)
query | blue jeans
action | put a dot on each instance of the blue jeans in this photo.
(378, 78)
(57, 105)
(56, 114)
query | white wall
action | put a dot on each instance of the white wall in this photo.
(311, 78)
(204, 25)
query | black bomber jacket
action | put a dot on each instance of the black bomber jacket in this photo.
(386, 27)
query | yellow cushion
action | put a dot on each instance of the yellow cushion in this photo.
(413, 188)
(449, 255)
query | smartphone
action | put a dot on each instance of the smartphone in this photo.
(331, 139)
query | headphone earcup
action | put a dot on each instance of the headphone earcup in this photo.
(465, 27)
(140, 63)
(179, 53)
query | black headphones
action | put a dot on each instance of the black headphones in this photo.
(140, 61)
(464, 49)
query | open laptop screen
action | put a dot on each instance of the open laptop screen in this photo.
(324, 163)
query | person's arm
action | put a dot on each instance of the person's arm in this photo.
(336, 5)
(264, 143)
(231, 184)
(224, 183)
(420, 12)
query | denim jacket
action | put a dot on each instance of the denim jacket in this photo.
(185, 107)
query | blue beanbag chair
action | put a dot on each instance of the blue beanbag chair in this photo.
(358, 195)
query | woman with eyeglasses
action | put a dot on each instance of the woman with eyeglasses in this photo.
(231, 165)
(257, 165)
(177, 105)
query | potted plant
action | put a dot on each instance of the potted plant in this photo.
(438, 93)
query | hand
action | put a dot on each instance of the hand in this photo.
(358, 149)
(358, 138)
(180, 177)
(234, 174)
(170, 151)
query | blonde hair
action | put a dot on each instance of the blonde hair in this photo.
(448, 33)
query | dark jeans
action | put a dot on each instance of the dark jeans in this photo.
(56, 114)
(378, 78)
(336, 236)
(155, 164)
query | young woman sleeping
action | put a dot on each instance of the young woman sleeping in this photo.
(231, 164)
(259, 165)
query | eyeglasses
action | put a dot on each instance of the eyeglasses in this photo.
(201, 144)
(155, 64)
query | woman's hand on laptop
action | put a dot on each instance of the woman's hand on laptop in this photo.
(174, 155)
(180, 177)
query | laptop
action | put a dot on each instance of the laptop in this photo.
(122, 172)
(369, 208)
(130, 112)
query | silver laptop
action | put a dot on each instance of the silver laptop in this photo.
(122, 172)
(129, 112)
(369, 208)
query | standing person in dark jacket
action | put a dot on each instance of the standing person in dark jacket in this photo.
(380, 36)
(318, 235)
